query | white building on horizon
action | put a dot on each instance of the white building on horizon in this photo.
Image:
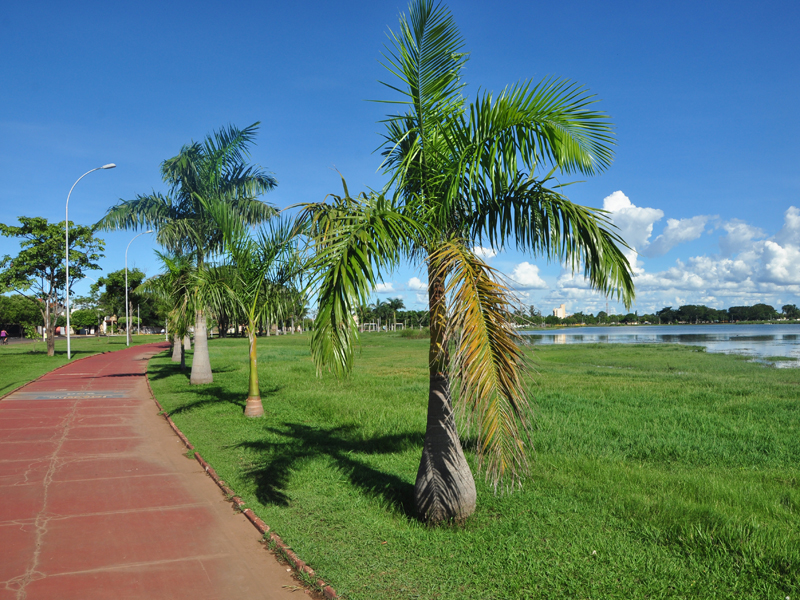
(560, 312)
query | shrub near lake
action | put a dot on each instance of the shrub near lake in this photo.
(659, 471)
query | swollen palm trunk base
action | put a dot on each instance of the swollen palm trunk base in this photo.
(254, 408)
(445, 488)
(201, 364)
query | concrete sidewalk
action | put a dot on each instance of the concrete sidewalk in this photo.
(98, 499)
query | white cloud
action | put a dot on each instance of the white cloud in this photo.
(384, 288)
(416, 284)
(739, 235)
(484, 253)
(790, 233)
(635, 224)
(676, 232)
(423, 299)
(526, 277)
(781, 264)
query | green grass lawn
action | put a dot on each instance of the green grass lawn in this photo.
(659, 471)
(23, 362)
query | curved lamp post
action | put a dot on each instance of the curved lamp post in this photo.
(66, 235)
(127, 317)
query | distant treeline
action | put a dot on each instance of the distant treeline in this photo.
(689, 313)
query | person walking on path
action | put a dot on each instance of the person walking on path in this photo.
(3, 337)
(99, 500)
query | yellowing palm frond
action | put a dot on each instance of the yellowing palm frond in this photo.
(489, 359)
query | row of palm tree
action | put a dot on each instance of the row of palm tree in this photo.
(460, 175)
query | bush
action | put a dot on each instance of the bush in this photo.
(415, 334)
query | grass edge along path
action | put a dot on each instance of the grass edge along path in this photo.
(305, 573)
(24, 362)
(660, 471)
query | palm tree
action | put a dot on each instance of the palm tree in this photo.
(255, 282)
(394, 305)
(215, 169)
(464, 175)
(175, 285)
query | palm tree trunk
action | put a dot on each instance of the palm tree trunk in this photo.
(176, 348)
(445, 489)
(254, 406)
(201, 364)
(187, 342)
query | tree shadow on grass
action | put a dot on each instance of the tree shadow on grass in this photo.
(340, 444)
(214, 394)
(166, 370)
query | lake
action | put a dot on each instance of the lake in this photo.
(776, 344)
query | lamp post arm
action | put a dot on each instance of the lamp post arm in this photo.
(66, 234)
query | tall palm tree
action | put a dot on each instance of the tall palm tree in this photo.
(214, 169)
(464, 175)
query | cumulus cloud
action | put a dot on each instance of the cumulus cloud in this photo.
(384, 288)
(751, 267)
(484, 253)
(790, 233)
(738, 235)
(635, 224)
(781, 264)
(416, 284)
(677, 232)
(526, 277)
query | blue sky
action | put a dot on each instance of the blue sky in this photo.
(705, 183)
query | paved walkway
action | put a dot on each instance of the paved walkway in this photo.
(98, 499)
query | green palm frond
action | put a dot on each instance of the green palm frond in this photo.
(489, 360)
(353, 241)
(536, 219)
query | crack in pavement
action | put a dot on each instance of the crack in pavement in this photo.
(42, 519)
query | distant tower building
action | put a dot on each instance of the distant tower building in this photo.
(560, 312)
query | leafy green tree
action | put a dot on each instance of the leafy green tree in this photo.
(463, 175)
(84, 318)
(38, 271)
(667, 315)
(213, 170)
(111, 297)
(17, 312)
(790, 311)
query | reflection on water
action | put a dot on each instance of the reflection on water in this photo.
(762, 342)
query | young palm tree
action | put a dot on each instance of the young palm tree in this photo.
(175, 285)
(256, 282)
(215, 169)
(463, 175)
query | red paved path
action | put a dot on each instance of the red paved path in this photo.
(98, 500)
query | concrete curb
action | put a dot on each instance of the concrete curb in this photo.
(304, 572)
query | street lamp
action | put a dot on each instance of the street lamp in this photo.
(127, 316)
(66, 235)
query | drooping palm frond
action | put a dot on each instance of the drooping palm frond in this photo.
(526, 214)
(174, 286)
(489, 360)
(353, 241)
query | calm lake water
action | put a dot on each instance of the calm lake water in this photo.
(768, 343)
